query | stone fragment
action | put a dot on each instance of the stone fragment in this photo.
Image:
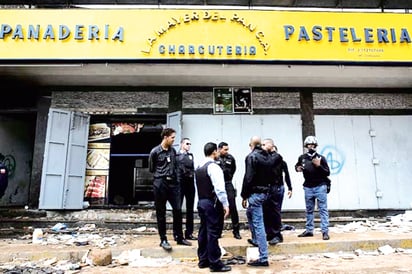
(386, 249)
(100, 257)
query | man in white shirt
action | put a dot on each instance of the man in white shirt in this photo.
(212, 202)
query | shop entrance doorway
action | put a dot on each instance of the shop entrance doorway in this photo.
(126, 180)
(130, 181)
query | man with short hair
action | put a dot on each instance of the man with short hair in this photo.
(212, 203)
(166, 187)
(228, 164)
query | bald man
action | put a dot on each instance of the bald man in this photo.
(254, 142)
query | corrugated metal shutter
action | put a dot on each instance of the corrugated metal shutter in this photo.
(64, 163)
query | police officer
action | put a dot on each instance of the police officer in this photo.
(228, 164)
(166, 187)
(212, 203)
(187, 183)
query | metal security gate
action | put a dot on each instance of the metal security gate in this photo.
(64, 162)
(368, 157)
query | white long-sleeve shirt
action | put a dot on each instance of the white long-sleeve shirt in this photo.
(216, 176)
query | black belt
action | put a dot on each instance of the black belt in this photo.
(166, 178)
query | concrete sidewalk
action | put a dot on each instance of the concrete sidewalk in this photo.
(122, 231)
(148, 243)
(339, 242)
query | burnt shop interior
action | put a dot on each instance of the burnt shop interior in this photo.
(117, 172)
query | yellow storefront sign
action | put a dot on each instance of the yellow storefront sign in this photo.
(240, 35)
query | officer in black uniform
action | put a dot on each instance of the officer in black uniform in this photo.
(187, 183)
(166, 187)
(228, 164)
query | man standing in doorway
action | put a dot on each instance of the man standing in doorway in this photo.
(228, 164)
(166, 187)
(187, 182)
(316, 186)
(212, 203)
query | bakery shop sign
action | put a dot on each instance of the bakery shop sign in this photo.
(62, 32)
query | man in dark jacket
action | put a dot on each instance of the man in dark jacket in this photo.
(260, 173)
(272, 208)
(228, 164)
(316, 186)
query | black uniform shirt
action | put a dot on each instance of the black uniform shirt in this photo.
(228, 165)
(162, 162)
(185, 163)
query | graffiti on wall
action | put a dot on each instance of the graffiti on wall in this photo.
(9, 162)
(335, 158)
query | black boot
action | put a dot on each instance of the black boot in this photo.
(236, 234)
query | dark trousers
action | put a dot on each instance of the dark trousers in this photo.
(164, 191)
(272, 212)
(208, 250)
(188, 192)
(234, 216)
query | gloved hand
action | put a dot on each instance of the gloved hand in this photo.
(328, 188)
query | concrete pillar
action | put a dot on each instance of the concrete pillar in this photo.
(307, 116)
(175, 100)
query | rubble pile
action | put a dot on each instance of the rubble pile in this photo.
(398, 224)
(87, 235)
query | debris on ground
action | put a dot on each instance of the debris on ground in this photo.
(100, 240)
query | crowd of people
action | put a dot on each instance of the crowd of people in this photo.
(176, 178)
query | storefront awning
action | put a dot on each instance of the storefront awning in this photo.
(157, 75)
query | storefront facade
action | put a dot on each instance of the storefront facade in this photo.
(107, 81)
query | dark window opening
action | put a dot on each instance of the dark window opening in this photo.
(129, 181)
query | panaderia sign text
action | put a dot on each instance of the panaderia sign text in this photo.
(204, 34)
